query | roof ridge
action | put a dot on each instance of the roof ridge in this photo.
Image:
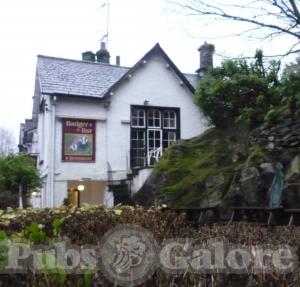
(192, 74)
(81, 61)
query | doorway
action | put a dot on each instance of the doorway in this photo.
(86, 191)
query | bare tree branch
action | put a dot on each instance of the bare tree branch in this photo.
(275, 17)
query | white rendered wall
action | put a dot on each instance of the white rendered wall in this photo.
(139, 180)
(79, 108)
(161, 87)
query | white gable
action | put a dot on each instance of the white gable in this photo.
(158, 84)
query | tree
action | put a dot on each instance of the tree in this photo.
(6, 141)
(18, 173)
(291, 85)
(268, 19)
(240, 92)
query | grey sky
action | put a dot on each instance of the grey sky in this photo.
(66, 28)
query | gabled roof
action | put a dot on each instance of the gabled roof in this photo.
(83, 78)
(157, 50)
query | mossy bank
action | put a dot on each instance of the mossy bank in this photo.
(224, 167)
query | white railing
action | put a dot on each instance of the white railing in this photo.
(155, 153)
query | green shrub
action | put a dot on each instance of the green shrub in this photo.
(82, 226)
(239, 91)
(272, 116)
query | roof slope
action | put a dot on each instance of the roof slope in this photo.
(83, 78)
(79, 78)
(193, 79)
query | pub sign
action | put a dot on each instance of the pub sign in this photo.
(78, 140)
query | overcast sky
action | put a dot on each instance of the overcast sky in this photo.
(66, 28)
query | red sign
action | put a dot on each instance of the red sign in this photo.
(78, 140)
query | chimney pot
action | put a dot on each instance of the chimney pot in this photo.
(118, 60)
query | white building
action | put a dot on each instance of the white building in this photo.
(97, 129)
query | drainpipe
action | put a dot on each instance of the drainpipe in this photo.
(52, 149)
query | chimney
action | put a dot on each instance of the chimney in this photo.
(206, 57)
(103, 55)
(118, 60)
(88, 56)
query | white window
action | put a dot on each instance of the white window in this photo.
(153, 130)
(168, 138)
(154, 119)
(138, 145)
(154, 146)
(138, 118)
(169, 119)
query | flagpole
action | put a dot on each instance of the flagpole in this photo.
(107, 24)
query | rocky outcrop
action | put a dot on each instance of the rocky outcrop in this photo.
(233, 167)
(278, 138)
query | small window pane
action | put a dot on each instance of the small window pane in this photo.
(169, 119)
(137, 118)
(154, 119)
(168, 138)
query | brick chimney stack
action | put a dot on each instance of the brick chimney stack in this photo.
(103, 55)
(206, 57)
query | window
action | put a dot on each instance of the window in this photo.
(153, 129)
(168, 139)
(169, 119)
(153, 118)
(138, 144)
(138, 118)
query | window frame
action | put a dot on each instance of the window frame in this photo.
(146, 128)
(154, 118)
(169, 120)
(144, 118)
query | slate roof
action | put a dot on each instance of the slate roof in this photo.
(78, 78)
(193, 79)
(83, 78)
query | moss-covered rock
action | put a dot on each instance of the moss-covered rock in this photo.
(229, 167)
(198, 172)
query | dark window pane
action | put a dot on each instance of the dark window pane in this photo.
(141, 122)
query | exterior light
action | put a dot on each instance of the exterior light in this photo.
(146, 102)
(34, 194)
(80, 187)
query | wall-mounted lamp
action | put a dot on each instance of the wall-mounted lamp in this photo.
(80, 187)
